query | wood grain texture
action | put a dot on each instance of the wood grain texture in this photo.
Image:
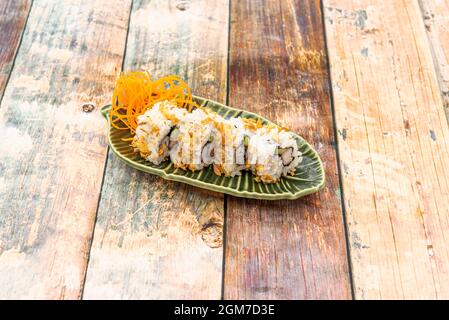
(285, 249)
(52, 153)
(393, 146)
(13, 16)
(436, 21)
(154, 238)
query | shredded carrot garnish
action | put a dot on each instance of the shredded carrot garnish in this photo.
(257, 124)
(135, 92)
(252, 124)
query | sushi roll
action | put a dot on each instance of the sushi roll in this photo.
(195, 137)
(153, 128)
(289, 153)
(272, 153)
(213, 150)
(200, 138)
(262, 157)
(189, 140)
(233, 151)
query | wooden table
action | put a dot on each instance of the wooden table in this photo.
(366, 82)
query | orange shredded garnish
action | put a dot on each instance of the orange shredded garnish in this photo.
(252, 124)
(257, 124)
(217, 169)
(135, 92)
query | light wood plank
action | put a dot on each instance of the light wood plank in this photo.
(154, 238)
(436, 21)
(13, 15)
(52, 153)
(393, 145)
(285, 249)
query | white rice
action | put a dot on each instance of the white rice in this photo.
(287, 141)
(262, 157)
(194, 133)
(151, 138)
(233, 161)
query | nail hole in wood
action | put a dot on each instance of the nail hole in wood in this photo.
(181, 6)
(212, 235)
(88, 107)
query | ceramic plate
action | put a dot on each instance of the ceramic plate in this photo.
(309, 176)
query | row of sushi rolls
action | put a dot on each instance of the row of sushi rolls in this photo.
(194, 140)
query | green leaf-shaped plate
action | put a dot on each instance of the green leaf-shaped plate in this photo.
(309, 176)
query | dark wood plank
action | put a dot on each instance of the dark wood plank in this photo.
(52, 153)
(393, 147)
(13, 15)
(155, 238)
(285, 249)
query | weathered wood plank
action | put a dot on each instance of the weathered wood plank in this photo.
(13, 15)
(154, 238)
(436, 21)
(393, 146)
(285, 249)
(52, 154)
